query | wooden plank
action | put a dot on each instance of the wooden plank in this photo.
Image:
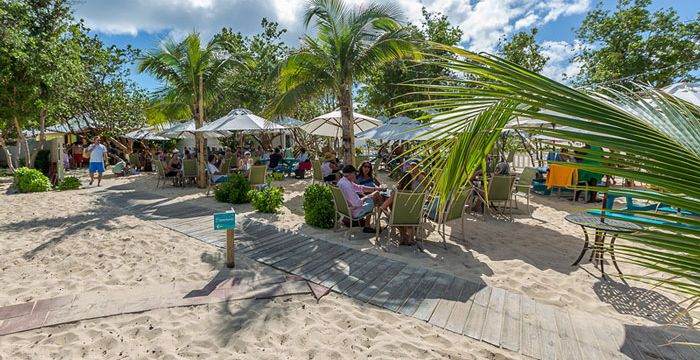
(325, 264)
(530, 344)
(277, 253)
(567, 337)
(393, 286)
(474, 326)
(329, 254)
(460, 311)
(255, 247)
(655, 340)
(275, 243)
(340, 264)
(379, 282)
(419, 294)
(248, 244)
(548, 332)
(426, 307)
(343, 279)
(304, 246)
(447, 302)
(587, 341)
(302, 255)
(510, 333)
(357, 282)
(397, 298)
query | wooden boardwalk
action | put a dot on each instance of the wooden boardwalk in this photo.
(464, 306)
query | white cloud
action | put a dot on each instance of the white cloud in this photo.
(559, 64)
(483, 22)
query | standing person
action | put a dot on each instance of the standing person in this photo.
(97, 153)
(77, 152)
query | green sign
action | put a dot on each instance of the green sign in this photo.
(225, 221)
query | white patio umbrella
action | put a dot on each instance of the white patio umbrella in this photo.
(240, 120)
(144, 134)
(689, 92)
(185, 130)
(400, 128)
(330, 125)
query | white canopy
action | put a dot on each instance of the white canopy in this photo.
(144, 134)
(400, 128)
(329, 124)
(689, 92)
(240, 119)
(185, 130)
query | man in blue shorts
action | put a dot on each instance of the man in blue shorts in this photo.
(97, 163)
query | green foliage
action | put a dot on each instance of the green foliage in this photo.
(386, 90)
(267, 200)
(318, 207)
(632, 40)
(69, 183)
(42, 161)
(522, 49)
(235, 191)
(31, 180)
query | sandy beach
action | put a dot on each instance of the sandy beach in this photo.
(62, 243)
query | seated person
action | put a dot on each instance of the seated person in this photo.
(330, 168)
(172, 168)
(410, 182)
(275, 159)
(216, 176)
(360, 206)
(245, 162)
(304, 161)
(414, 178)
(502, 168)
(121, 168)
(365, 176)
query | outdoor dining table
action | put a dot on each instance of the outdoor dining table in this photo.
(602, 228)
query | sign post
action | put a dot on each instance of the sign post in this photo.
(227, 221)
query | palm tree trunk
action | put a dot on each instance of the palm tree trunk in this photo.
(347, 122)
(199, 137)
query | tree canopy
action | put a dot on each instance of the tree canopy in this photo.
(522, 49)
(632, 40)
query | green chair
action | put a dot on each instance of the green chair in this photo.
(317, 174)
(524, 185)
(500, 191)
(226, 166)
(189, 170)
(455, 210)
(407, 211)
(342, 210)
(161, 173)
(134, 161)
(256, 175)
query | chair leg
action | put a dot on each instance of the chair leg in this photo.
(464, 236)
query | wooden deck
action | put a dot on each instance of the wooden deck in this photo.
(464, 306)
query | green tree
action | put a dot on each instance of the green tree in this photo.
(350, 43)
(385, 91)
(632, 40)
(194, 77)
(522, 49)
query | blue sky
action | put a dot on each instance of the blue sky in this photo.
(143, 23)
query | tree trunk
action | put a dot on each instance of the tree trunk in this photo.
(8, 156)
(42, 136)
(348, 122)
(22, 141)
(199, 137)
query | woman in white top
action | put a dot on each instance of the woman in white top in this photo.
(245, 163)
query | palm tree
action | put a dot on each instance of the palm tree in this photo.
(194, 78)
(349, 44)
(652, 137)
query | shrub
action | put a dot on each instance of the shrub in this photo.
(318, 207)
(235, 191)
(267, 200)
(69, 183)
(31, 180)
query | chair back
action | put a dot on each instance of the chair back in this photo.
(407, 208)
(316, 167)
(256, 175)
(226, 166)
(341, 206)
(456, 207)
(134, 160)
(500, 188)
(525, 180)
(159, 167)
(189, 168)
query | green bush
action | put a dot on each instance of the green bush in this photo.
(235, 191)
(267, 200)
(31, 180)
(42, 162)
(318, 207)
(69, 183)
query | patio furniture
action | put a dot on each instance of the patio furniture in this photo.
(453, 211)
(500, 189)
(161, 173)
(189, 170)
(256, 175)
(524, 185)
(407, 211)
(342, 210)
(602, 228)
(317, 174)
(642, 219)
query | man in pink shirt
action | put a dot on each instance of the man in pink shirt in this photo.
(359, 206)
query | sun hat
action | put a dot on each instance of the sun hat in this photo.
(328, 156)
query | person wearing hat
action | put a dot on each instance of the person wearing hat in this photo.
(330, 168)
(360, 206)
(245, 162)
